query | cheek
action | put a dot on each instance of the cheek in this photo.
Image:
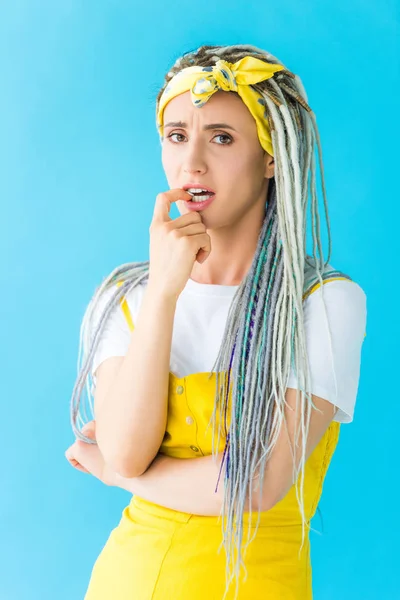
(248, 164)
(165, 161)
(249, 173)
(238, 166)
(169, 158)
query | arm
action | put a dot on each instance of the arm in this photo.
(184, 484)
(346, 305)
(187, 485)
(278, 478)
(131, 415)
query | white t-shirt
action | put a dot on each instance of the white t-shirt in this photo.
(199, 323)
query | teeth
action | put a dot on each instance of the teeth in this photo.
(200, 198)
(197, 190)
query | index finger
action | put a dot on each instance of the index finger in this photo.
(164, 201)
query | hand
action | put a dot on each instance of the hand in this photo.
(88, 458)
(175, 244)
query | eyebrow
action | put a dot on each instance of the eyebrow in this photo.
(205, 128)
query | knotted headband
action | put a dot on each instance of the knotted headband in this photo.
(238, 77)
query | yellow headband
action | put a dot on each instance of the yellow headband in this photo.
(203, 82)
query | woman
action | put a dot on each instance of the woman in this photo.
(229, 322)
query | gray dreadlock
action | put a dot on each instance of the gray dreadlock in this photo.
(264, 334)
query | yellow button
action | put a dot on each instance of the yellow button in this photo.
(179, 389)
(189, 420)
(194, 448)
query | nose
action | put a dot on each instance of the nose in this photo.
(194, 164)
(194, 171)
(194, 160)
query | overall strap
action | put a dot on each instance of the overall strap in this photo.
(125, 308)
(312, 283)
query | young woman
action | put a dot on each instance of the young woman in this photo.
(229, 323)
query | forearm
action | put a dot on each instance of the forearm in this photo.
(132, 418)
(187, 485)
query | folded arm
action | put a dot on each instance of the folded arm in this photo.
(184, 484)
(188, 485)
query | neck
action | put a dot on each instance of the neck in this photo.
(232, 251)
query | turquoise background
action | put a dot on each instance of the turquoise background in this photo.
(79, 173)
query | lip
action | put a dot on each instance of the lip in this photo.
(190, 205)
(197, 185)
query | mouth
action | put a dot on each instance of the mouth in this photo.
(201, 194)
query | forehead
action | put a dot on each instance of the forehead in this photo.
(221, 106)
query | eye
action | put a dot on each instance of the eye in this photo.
(171, 134)
(223, 135)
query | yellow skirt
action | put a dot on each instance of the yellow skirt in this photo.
(156, 553)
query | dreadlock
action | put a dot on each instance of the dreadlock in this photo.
(264, 334)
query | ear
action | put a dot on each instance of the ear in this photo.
(269, 166)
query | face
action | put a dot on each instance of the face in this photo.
(231, 162)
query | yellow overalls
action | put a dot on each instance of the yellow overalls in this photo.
(156, 553)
